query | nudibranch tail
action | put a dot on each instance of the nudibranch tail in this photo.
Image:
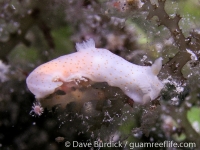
(140, 83)
(157, 65)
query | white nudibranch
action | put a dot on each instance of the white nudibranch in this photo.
(140, 83)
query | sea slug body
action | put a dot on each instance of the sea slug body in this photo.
(140, 83)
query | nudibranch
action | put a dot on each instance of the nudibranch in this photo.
(140, 83)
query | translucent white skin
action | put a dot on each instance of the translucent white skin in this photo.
(140, 83)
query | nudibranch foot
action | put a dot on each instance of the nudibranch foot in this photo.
(76, 83)
(146, 98)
